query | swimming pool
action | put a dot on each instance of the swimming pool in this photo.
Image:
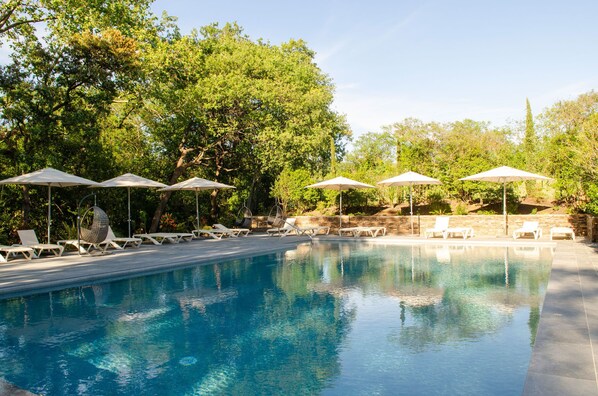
(321, 319)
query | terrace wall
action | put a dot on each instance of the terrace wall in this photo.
(484, 225)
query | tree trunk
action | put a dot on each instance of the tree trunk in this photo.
(26, 207)
(178, 171)
(214, 210)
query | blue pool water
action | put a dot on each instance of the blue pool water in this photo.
(331, 319)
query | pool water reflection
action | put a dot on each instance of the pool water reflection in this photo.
(321, 319)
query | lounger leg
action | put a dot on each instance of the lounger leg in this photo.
(117, 246)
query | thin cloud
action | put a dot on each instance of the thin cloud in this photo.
(565, 92)
(370, 113)
(331, 52)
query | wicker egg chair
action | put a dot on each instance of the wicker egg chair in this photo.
(94, 230)
(243, 219)
(276, 216)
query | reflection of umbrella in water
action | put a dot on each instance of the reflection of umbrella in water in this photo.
(503, 175)
(52, 178)
(340, 184)
(196, 184)
(129, 180)
(415, 294)
(409, 179)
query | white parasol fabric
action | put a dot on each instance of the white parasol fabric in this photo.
(340, 184)
(52, 178)
(409, 179)
(505, 174)
(196, 184)
(130, 180)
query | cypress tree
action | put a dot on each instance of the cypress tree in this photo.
(530, 139)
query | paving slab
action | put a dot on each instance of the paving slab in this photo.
(563, 359)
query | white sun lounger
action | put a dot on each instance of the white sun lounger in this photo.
(529, 227)
(465, 232)
(290, 227)
(158, 238)
(358, 231)
(315, 230)
(7, 251)
(84, 246)
(234, 232)
(440, 227)
(287, 228)
(562, 231)
(29, 239)
(122, 242)
(212, 233)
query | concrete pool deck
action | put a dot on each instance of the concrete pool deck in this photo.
(563, 360)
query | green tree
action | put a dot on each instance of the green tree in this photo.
(416, 143)
(221, 106)
(569, 149)
(60, 86)
(468, 147)
(290, 189)
(530, 140)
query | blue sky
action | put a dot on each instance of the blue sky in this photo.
(432, 60)
(438, 60)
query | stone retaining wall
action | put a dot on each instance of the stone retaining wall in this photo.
(484, 225)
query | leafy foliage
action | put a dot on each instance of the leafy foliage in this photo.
(106, 88)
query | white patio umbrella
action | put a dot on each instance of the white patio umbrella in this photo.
(196, 184)
(409, 179)
(52, 178)
(504, 174)
(340, 183)
(129, 180)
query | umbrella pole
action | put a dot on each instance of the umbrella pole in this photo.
(129, 208)
(506, 266)
(504, 206)
(411, 209)
(340, 209)
(49, 210)
(197, 207)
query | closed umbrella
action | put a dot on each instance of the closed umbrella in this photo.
(409, 179)
(196, 184)
(52, 178)
(130, 180)
(340, 183)
(504, 174)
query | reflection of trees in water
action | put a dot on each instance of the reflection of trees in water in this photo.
(252, 326)
(246, 334)
(462, 293)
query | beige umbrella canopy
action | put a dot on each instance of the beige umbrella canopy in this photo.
(340, 184)
(130, 180)
(52, 178)
(504, 174)
(196, 184)
(409, 179)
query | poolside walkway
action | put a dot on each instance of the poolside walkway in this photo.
(566, 349)
(564, 357)
(18, 277)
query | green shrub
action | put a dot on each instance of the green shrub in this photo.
(461, 209)
(440, 207)
(486, 212)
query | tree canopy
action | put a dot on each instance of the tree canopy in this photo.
(105, 87)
